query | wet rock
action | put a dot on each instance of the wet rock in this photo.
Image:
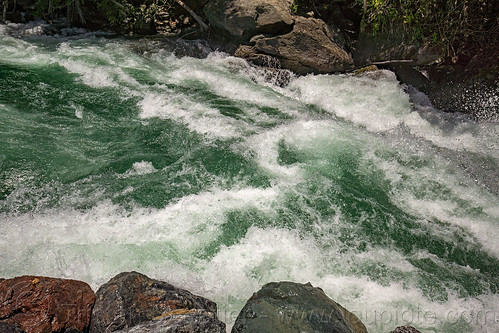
(252, 56)
(311, 47)
(10, 328)
(409, 75)
(132, 298)
(242, 19)
(405, 329)
(473, 91)
(192, 321)
(293, 307)
(393, 47)
(40, 304)
(191, 48)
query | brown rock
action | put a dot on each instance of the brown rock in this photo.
(132, 298)
(40, 304)
(311, 47)
(242, 19)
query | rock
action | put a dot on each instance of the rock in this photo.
(192, 321)
(242, 19)
(405, 329)
(263, 60)
(466, 90)
(270, 67)
(191, 48)
(132, 298)
(41, 304)
(409, 75)
(310, 47)
(9, 328)
(393, 47)
(293, 307)
(364, 70)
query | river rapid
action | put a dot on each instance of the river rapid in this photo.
(116, 155)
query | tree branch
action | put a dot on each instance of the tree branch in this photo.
(194, 15)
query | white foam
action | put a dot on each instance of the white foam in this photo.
(437, 191)
(197, 117)
(183, 227)
(140, 168)
(377, 105)
(226, 76)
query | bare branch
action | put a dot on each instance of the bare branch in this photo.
(193, 14)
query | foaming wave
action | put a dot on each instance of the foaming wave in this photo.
(110, 236)
(197, 117)
(227, 77)
(377, 105)
(434, 187)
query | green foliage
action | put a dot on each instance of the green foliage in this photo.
(449, 23)
(127, 14)
(130, 15)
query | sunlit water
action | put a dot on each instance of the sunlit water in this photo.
(115, 155)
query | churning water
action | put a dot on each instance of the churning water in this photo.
(115, 155)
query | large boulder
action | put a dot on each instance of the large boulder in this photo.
(393, 47)
(466, 89)
(311, 47)
(289, 307)
(41, 305)
(242, 19)
(192, 321)
(132, 298)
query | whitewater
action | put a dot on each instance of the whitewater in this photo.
(116, 155)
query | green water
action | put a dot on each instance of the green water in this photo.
(116, 156)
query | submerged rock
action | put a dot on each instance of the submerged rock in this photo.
(243, 19)
(41, 305)
(293, 307)
(132, 298)
(311, 47)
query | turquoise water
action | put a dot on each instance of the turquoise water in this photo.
(115, 155)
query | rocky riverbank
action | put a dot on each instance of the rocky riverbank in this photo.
(274, 34)
(131, 302)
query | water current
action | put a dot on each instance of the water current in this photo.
(116, 155)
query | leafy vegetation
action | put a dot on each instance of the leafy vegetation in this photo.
(451, 24)
(127, 14)
(448, 23)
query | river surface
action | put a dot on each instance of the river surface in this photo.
(116, 155)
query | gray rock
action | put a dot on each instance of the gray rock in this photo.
(293, 307)
(242, 19)
(9, 328)
(132, 298)
(311, 47)
(393, 47)
(192, 321)
(467, 90)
